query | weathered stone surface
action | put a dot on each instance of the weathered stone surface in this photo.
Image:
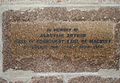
(58, 1)
(19, 82)
(61, 14)
(46, 80)
(2, 80)
(23, 48)
(117, 37)
(93, 79)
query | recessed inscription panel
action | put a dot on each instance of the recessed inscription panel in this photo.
(76, 40)
(60, 46)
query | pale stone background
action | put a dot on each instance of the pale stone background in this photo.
(60, 1)
(12, 75)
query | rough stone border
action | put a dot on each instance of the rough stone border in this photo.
(8, 76)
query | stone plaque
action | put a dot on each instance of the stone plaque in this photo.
(57, 40)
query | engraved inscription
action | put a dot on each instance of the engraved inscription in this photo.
(77, 40)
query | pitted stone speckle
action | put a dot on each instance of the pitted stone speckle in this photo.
(22, 23)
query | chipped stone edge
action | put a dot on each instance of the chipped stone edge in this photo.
(14, 75)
